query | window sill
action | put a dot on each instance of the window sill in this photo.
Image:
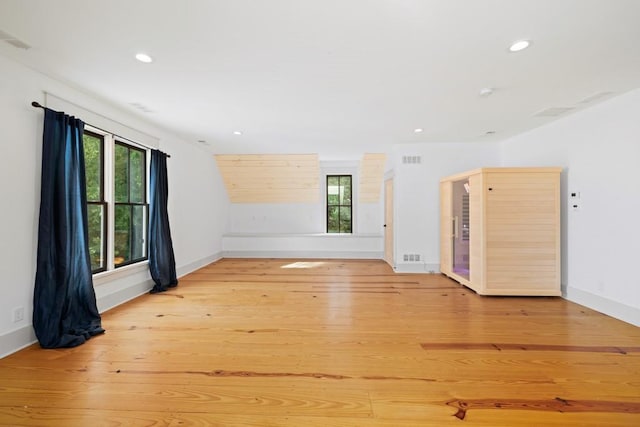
(128, 270)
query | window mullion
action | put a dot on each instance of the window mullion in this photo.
(109, 189)
(130, 207)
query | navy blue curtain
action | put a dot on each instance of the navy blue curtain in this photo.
(162, 263)
(64, 302)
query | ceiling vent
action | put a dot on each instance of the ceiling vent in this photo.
(13, 41)
(141, 107)
(553, 112)
(596, 97)
(411, 160)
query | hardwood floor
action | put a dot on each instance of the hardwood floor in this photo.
(332, 343)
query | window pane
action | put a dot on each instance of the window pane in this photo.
(95, 215)
(345, 219)
(93, 166)
(121, 170)
(122, 235)
(333, 199)
(345, 190)
(332, 219)
(333, 181)
(138, 167)
(138, 232)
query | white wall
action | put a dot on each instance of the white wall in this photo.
(261, 218)
(197, 201)
(600, 149)
(198, 205)
(341, 246)
(417, 195)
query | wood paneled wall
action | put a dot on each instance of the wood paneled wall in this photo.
(371, 175)
(290, 178)
(271, 178)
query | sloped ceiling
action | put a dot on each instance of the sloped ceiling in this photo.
(270, 178)
(333, 76)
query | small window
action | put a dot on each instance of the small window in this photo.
(130, 210)
(339, 207)
(96, 205)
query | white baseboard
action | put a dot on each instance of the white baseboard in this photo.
(603, 305)
(107, 302)
(416, 267)
(193, 266)
(305, 254)
(17, 340)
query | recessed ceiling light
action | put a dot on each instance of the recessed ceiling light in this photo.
(418, 130)
(143, 57)
(519, 45)
(486, 91)
(141, 107)
(237, 132)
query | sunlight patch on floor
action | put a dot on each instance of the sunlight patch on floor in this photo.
(303, 264)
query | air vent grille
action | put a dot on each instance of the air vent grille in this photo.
(411, 160)
(13, 41)
(5, 36)
(411, 257)
(553, 112)
(19, 44)
(596, 97)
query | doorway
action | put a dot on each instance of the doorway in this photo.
(388, 222)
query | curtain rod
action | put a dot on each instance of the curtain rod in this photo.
(38, 105)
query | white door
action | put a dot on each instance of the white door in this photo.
(388, 222)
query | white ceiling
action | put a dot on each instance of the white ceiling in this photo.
(333, 76)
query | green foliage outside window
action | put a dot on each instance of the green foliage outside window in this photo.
(93, 161)
(130, 209)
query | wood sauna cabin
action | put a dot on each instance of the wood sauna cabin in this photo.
(500, 230)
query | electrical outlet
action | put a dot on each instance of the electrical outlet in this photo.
(18, 314)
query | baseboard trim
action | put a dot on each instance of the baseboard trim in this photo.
(603, 305)
(107, 302)
(17, 340)
(416, 267)
(195, 265)
(304, 254)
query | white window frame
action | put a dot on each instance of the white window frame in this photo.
(109, 141)
(328, 168)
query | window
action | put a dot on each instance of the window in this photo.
(117, 208)
(96, 205)
(130, 204)
(339, 206)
